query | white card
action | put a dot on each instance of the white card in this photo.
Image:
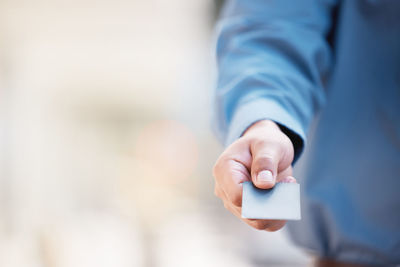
(282, 202)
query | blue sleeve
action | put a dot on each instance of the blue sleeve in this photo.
(273, 57)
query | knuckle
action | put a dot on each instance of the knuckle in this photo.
(265, 158)
(236, 200)
(217, 169)
(260, 143)
(216, 192)
(269, 144)
(219, 166)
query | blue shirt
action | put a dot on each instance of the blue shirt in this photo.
(289, 61)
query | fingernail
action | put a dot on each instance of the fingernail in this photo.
(265, 176)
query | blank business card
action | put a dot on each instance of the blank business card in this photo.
(282, 202)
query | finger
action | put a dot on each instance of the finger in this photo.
(284, 174)
(237, 211)
(229, 176)
(268, 225)
(231, 170)
(289, 179)
(218, 192)
(275, 225)
(264, 168)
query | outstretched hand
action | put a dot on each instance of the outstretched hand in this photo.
(262, 155)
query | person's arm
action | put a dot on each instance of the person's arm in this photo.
(272, 59)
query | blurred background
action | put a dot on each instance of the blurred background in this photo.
(106, 148)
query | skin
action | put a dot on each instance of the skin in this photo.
(263, 151)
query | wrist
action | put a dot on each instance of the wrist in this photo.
(265, 124)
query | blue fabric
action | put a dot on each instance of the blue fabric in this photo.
(277, 60)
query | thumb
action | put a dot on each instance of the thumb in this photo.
(264, 168)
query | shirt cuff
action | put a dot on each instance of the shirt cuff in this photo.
(262, 109)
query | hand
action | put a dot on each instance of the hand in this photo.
(262, 155)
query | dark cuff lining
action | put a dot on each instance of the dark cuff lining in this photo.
(297, 141)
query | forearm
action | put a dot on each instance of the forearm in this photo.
(271, 59)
